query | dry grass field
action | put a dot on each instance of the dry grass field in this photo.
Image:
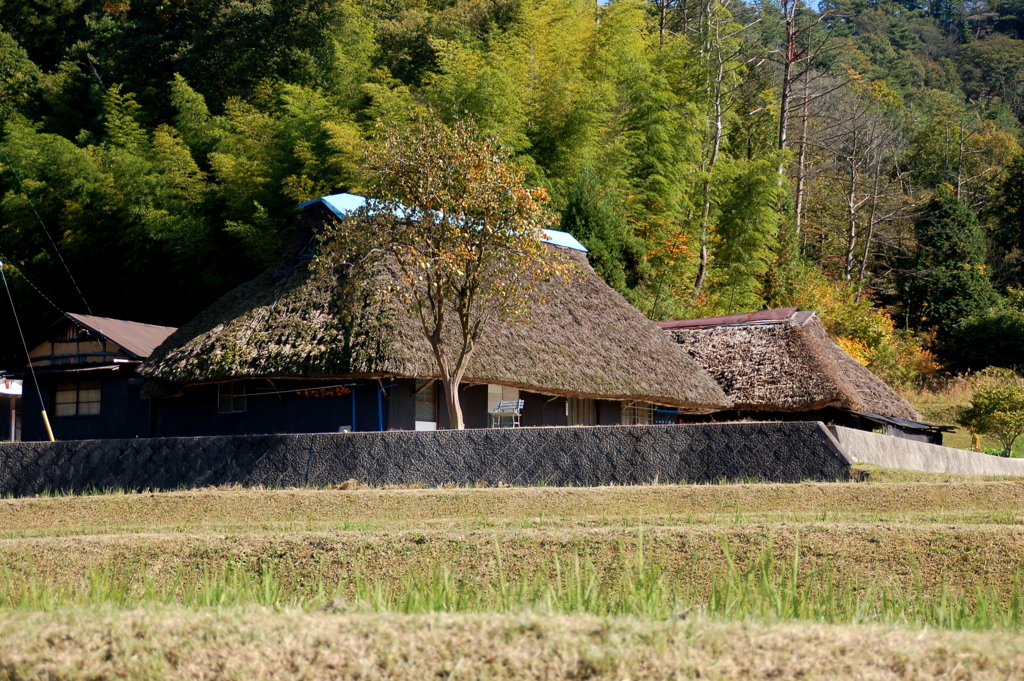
(895, 576)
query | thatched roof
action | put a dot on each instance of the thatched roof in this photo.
(784, 361)
(586, 340)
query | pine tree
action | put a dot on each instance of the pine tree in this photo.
(950, 280)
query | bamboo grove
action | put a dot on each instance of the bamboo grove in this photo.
(858, 157)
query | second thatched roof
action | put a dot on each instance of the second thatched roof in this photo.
(585, 341)
(783, 360)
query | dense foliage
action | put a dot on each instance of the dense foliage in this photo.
(715, 156)
(996, 408)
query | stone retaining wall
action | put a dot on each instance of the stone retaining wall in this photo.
(782, 452)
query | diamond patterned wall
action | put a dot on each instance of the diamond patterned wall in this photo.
(781, 452)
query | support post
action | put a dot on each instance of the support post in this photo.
(353, 407)
(49, 431)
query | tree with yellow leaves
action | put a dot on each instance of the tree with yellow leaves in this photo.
(451, 214)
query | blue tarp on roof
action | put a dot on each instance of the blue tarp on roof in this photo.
(339, 204)
(343, 204)
(562, 239)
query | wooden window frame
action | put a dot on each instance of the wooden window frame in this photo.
(239, 400)
(637, 413)
(421, 388)
(77, 406)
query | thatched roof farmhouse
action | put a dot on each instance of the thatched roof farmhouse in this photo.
(781, 363)
(583, 343)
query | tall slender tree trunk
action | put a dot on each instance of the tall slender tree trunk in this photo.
(713, 54)
(786, 89)
(851, 210)
(801, 166)
(662, 20)
(872, 218)
(851, 225)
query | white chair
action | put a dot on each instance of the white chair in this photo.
(506, 409)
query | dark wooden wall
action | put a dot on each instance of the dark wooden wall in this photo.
(123, 412)
(275, 407)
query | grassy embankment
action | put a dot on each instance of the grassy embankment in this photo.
(941, 406)
(874, 579)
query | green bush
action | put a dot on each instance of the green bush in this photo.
(997, 407)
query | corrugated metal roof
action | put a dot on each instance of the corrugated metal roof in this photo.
(137, 339)
(776, 315)
(906, 424)
(343, 204)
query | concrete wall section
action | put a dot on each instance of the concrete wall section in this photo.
(783, 452)
(889, 452)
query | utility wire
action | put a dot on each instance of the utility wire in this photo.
(21, 273)
(24, 345)
(53, 243)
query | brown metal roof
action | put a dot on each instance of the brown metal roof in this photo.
(137, 339)
(759, 316)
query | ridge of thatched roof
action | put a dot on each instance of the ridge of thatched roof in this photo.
(787, 364)
(586, 340)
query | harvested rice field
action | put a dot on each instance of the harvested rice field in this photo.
(894, 576)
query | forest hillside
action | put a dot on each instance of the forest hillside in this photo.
(861, 158)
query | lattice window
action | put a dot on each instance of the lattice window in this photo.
(637, 414)
(78, 399)
(231, 398)
(426, 404)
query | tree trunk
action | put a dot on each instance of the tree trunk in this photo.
(451, 378)
(786, 89)
(716, 85)
(851, 226)
(451, 399)
(801, 164)
(702, 270)
(871, 225)
(662, 20)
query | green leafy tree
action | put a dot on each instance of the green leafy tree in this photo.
(452, 215)
(950, 280)
(593, 216)
(19, 78)
(997, 408)
(992, 338)
(1008, 234)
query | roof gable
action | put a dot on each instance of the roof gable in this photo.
(138, 340)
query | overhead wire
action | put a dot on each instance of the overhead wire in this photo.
(42, 224)
(21, 273)
(24, 345)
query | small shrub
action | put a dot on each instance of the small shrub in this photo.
(996, 408)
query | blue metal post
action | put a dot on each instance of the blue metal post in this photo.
(380, 405)
(353, 407)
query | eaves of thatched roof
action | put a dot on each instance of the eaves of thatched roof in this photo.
(586, 340)
(787, 364)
